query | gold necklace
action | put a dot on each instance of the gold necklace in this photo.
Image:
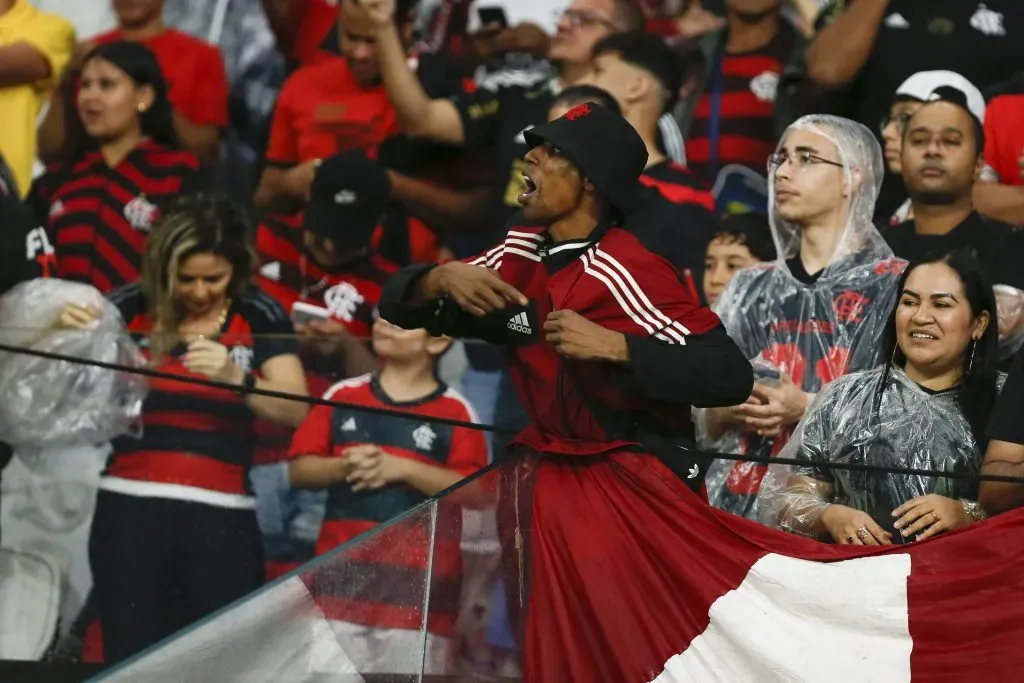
(221, 319)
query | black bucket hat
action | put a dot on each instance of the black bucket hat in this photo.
(604, 146)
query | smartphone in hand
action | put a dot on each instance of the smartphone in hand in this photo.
(492, 16)
(304, 314)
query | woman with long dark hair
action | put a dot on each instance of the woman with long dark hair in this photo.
(122, 161)
(174, 536)
(926, 409)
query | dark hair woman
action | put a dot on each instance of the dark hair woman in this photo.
(122, 161)
(174, 535)
(927, 410)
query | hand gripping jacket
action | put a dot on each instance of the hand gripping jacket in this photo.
(680, 355)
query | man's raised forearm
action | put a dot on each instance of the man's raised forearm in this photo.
(841, 50)
(410, 101)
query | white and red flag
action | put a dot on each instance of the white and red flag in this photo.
(696, 594)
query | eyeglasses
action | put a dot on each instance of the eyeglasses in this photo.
(900, 121)
(580, 18)
(801, 160)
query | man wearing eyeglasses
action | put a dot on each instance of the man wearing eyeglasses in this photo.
(817, 312)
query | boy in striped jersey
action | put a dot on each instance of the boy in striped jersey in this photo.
(376, 467)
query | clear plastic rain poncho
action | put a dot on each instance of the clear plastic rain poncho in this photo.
(814, 333)
(50, 405)
(910, 428)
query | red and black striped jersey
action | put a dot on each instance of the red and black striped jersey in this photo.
(98, 216)
(678, 184)
(197, 442)
(746, 106)
(327, 432)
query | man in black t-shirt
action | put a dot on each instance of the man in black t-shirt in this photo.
(869, 47)
(941, 159)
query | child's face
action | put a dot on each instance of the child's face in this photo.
(394, 343)
(724, 257)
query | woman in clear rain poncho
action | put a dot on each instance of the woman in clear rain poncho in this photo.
(815, 313)
(927, 410)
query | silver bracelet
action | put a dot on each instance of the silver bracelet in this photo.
(973, 510)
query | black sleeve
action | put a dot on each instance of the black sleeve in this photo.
(397, 291)
(1007, 422)
(1005, 254)
(272, 329)
(445, 317)
(24, 247)
(480, 112)
(706, 372)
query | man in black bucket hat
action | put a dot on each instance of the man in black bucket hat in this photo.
(604, 148)
(608, 351)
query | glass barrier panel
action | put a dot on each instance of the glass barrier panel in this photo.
(51, 486)
(358, 610)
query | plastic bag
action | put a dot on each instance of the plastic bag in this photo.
(813, 333)
(850, 423)
(51, 406)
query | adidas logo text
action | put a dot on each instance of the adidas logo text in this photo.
(520, 324)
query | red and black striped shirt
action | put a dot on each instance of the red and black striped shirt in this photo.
(378, 574)
(197, 442)
(746, 126)
(678, 184)
(98, 216)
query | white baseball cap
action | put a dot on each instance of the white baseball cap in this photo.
(923, 85)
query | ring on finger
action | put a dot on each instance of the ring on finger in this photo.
(863, 532)
(849, 539)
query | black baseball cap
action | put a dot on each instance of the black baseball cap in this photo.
(604, 146)
(349, 195)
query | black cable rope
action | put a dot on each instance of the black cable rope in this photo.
(494, 429)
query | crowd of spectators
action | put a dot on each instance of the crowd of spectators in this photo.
(841, 181)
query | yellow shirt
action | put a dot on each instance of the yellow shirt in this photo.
(54, 38)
